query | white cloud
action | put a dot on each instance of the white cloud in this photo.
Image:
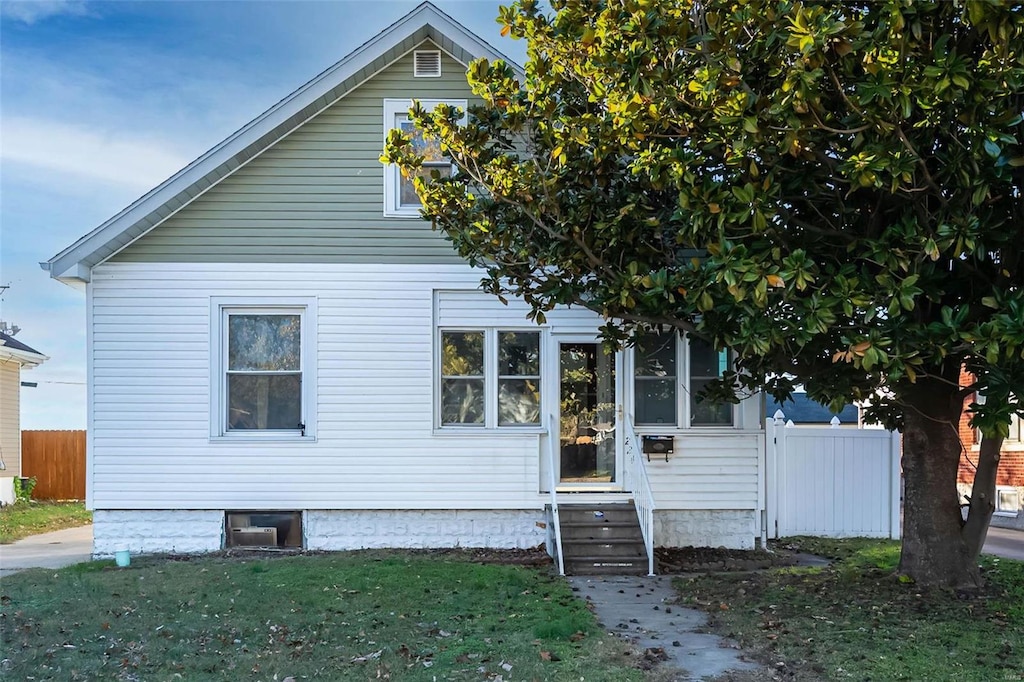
(116, 158)
(32, 11)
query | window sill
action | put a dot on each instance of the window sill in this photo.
(460, 432)
(1006, 514)
(263, 438)
(415, 213)
(670, 430)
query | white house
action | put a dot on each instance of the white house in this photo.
(14, 357)
(281, 351)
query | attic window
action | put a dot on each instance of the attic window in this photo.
(427, 63)
(399, 192)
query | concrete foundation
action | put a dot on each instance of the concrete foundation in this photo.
(729, 528)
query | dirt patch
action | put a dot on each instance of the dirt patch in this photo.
(534, 556)
(670, 560)
(719, 559)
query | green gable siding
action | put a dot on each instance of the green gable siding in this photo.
(315, 196)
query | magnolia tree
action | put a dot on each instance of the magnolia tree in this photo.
(831, 190)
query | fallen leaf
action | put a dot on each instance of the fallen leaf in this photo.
(367, 657)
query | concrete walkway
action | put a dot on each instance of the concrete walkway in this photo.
(644, 611)
(48, 550)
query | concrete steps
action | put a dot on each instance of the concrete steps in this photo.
(602, 539)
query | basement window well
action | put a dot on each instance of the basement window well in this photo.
(263, 529)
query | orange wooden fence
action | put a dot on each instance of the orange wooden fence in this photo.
(57, 460)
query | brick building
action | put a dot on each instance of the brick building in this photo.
(1010, 477)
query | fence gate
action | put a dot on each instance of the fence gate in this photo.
(832, 482)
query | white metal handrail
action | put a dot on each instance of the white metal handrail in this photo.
(640, 484)
(553, 441)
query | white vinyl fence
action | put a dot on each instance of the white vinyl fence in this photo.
(832, 482)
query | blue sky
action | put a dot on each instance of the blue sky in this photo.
(101, 101)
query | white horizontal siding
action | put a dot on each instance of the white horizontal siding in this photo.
(708, 472)
(470, 307)
(375, 446)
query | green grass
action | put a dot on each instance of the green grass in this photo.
(353, 616)
(20, 520)
(858, 620)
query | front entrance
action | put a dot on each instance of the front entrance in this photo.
(588, 402)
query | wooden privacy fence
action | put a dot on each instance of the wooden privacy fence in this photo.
(57, 461)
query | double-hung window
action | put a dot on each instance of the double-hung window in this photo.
(264, 382)
(489, 378)
(463, 380)
(670, 371)
(400, 197)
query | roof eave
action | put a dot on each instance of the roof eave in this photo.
(23, 358)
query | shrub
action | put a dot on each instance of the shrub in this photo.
(23, 488)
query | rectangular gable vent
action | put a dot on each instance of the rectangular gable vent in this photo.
(427, 63)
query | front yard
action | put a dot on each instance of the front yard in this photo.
(355, 616)
(20, 520)
(444, 616)
(856, 620)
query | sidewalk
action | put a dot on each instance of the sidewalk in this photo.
(47, 550)
(1004, 542)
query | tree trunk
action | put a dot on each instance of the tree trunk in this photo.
(935, 552)
(983, 496)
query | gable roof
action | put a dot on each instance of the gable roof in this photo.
(426, 22)
(11, 348)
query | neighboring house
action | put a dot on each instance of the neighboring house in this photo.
(14, 356)
(803, 411)
(1009, 511)
(280, 351)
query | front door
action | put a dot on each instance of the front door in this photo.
(588, 403)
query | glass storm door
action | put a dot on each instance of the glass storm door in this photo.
(587, 416)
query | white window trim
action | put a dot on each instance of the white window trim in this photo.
(1007, 512)
(392, 181)
(220, 307)
(683, 412)
(490, 425)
